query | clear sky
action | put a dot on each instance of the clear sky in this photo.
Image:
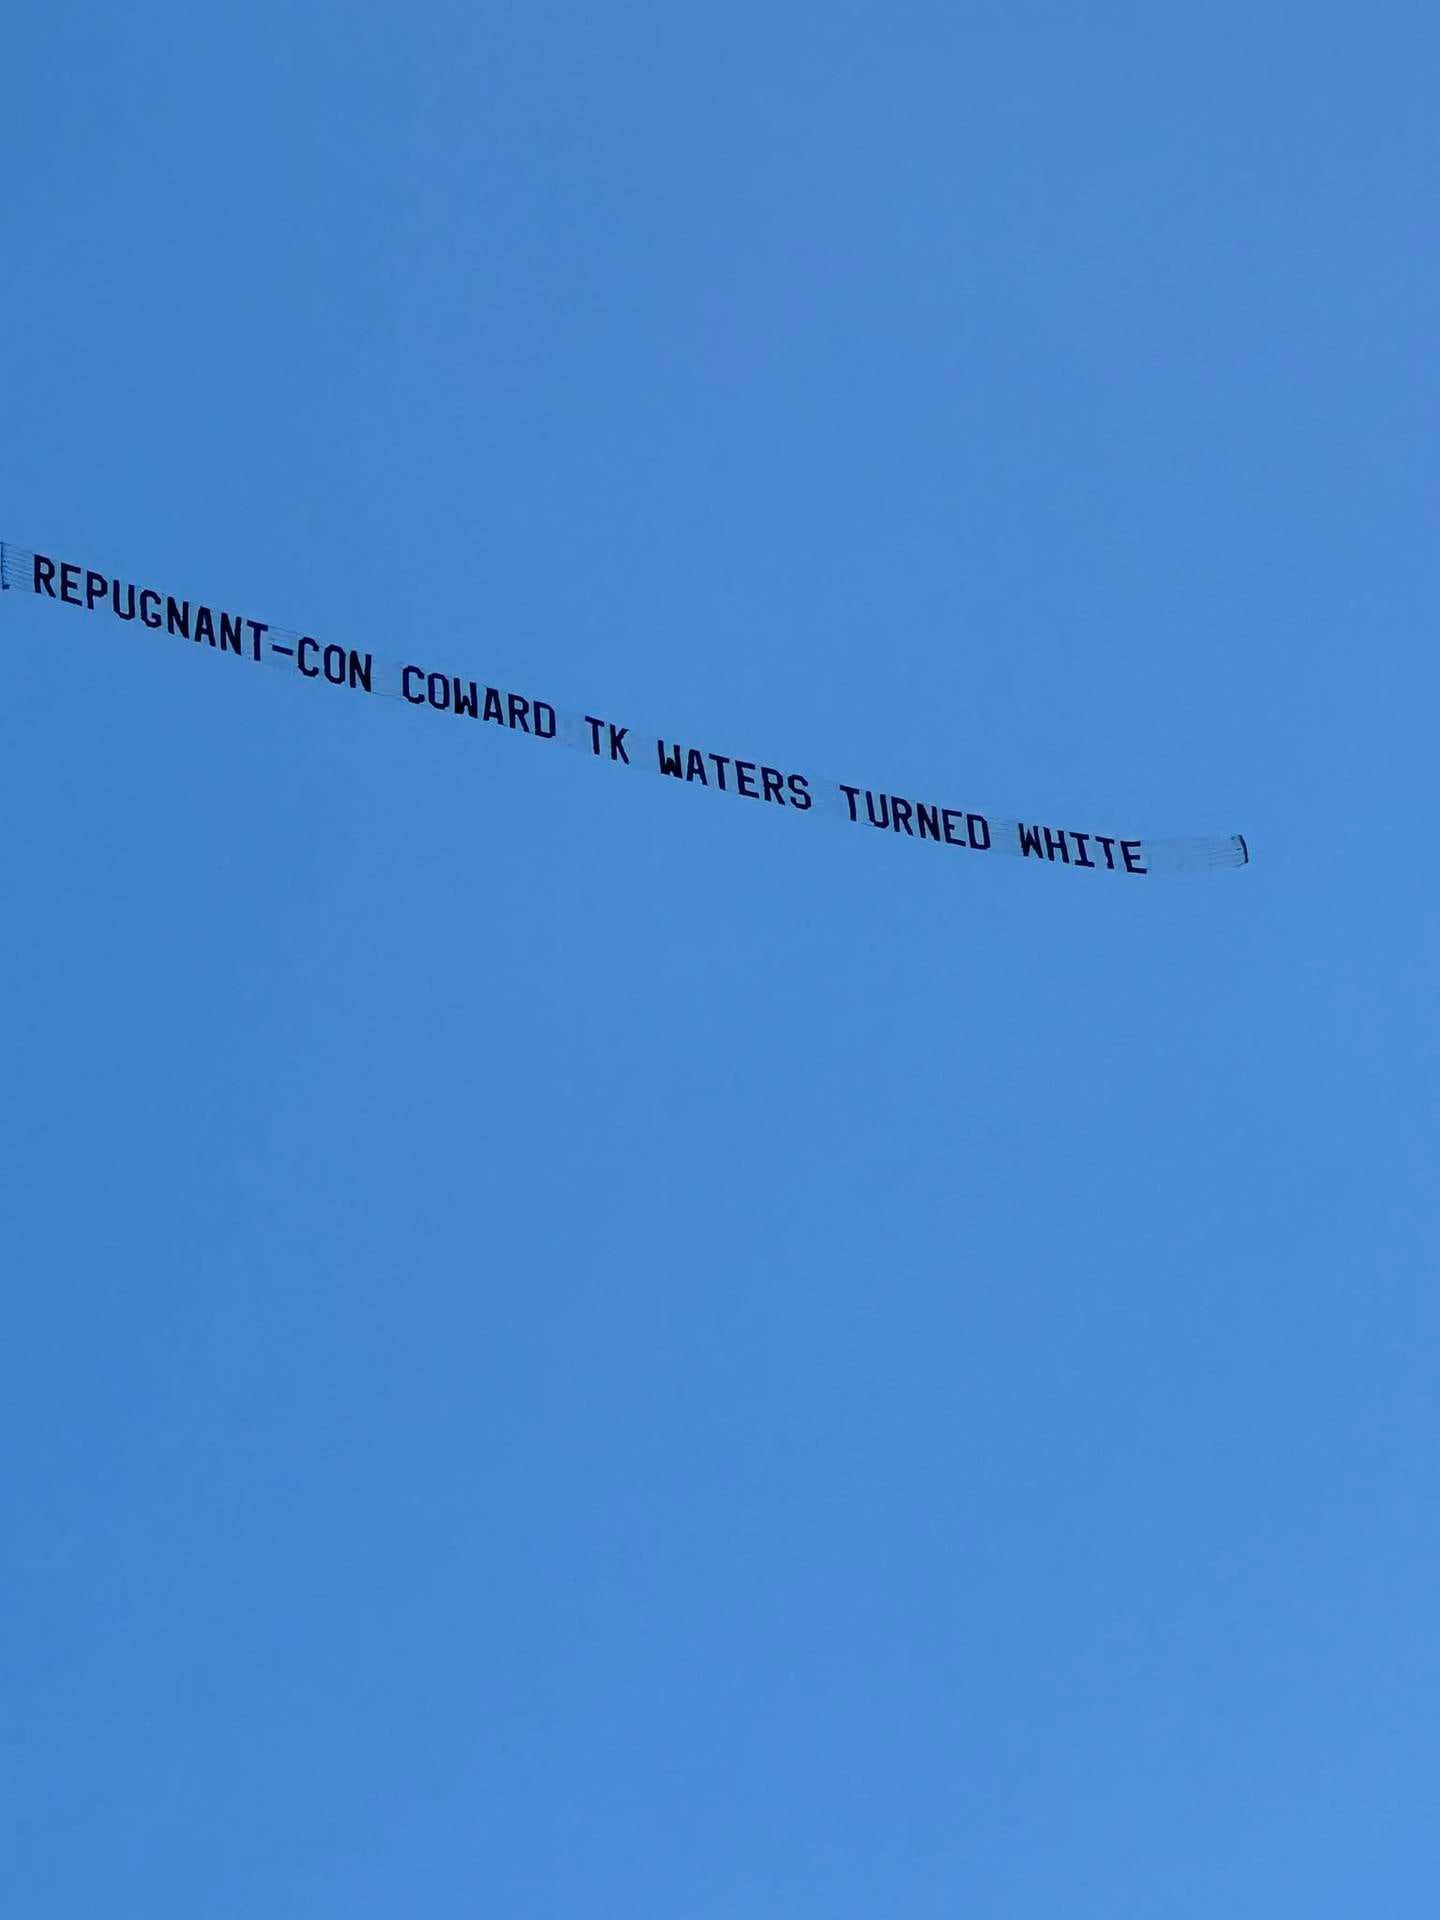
(573, 1347)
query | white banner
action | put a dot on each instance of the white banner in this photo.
(420, 683)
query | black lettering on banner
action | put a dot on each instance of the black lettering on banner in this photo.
(709, 769)
(617, 735)
(225, 632)
(339, 667)
(344, 667)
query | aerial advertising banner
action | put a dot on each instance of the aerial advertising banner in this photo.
(441, 693)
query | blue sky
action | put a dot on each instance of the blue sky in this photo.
(573, 1347)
